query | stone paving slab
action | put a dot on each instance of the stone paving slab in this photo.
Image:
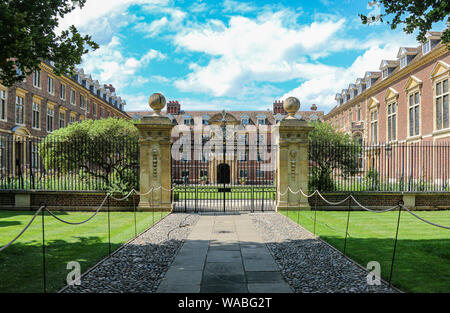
(224, 254)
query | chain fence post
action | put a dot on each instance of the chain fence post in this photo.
(315, 213)
(348, 220)
(43, 248)
(400, 203)
(134, 208)
(109, 228)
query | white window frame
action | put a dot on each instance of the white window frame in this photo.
(37, 79)
(62, 92)
(3, 105)
(413, 99)
(36, 115)
(391, 121)
(21, 106)
(426, 47)
(441, 95)
(73, 97)
(50, 119)
(63, 114)
(50, 85)
(385, 73)
(403, 61)
(374, 126)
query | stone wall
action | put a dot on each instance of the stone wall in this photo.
(88, 201)
(65, 201)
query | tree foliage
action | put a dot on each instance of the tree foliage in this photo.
(28, 37)
(414, 14)
(106, 149)
(331, 151)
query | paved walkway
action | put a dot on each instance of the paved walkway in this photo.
(224, 253)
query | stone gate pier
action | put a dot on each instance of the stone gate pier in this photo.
(155, 157)
(292, 158)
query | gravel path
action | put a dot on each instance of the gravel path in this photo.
(140, 266)
(308, 264)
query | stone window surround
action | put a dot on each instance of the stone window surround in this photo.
(5, 99)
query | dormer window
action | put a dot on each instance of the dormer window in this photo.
(385, 72)
(426, 47)
(244, 121)
(403, 61)
(261, 121)
(368, 83)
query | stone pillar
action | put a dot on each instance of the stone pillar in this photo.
(292, 162)
(155, 157)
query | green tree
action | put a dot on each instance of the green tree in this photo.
(105, 149)
(414, 14)
(331, 152)
(28, 37)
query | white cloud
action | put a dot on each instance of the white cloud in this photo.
(230, 6)
(161, 79)
(322, 88)
(246, 52)
(111, 66)
(136, 102)
(249, 50)
(171, 20)
(103, 18)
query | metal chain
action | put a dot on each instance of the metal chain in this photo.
(23, 230)
(79, 223)
(422, 219)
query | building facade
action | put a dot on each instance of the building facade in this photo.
(406, 101)
(243, 159)
(44, 102)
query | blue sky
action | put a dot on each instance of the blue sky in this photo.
(233, 55)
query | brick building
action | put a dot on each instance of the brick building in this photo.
(44, 102)
(401, 113)
(406, 101)
(243, 168)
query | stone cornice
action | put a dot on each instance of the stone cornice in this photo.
(429, 57)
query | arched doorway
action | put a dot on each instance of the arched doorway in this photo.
(223, 174)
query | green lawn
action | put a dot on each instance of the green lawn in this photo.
(422, 262)
(236, 193)
(21, 263)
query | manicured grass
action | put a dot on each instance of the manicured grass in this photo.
(422, 261)
(21, 263)
(236, 193)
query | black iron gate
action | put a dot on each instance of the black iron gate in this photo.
(231, 181)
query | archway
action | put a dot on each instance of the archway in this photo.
(223, 173)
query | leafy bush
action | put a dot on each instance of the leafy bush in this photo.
(331, 153)
(105, 150)
(372, 179)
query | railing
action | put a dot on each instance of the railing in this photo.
(79, 164)
(385, 167)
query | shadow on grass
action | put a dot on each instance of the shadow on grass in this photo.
(22, 263)
(9, 223)
(419, 265)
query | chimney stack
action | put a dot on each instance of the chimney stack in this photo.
(173, 107)
(278, 107)
(110, 87)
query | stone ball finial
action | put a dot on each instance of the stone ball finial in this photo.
(291, 106)
(157, 102)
